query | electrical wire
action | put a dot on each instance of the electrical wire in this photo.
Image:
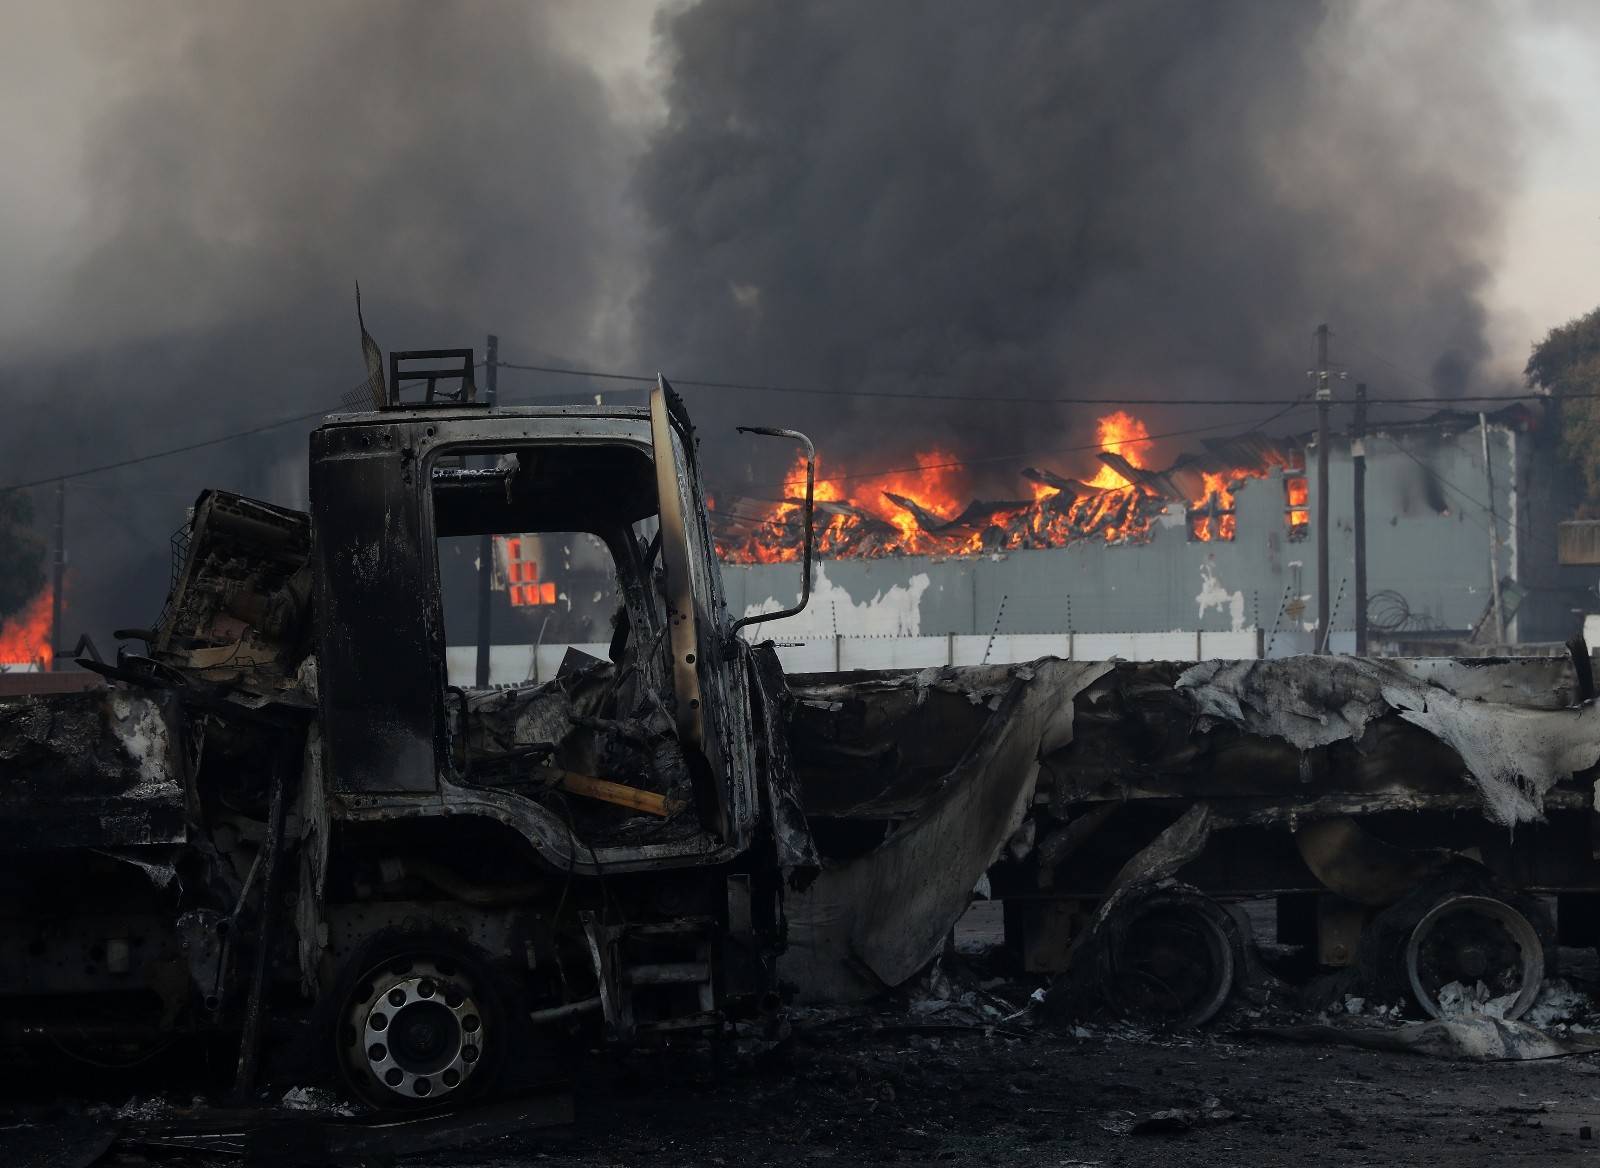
(1008, 399)
(188, 446)
(168, 453)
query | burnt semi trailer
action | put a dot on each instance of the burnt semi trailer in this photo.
(1426, 828)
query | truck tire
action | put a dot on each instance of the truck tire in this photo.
(1171, 958)
(1408, 949)
(420, 1019)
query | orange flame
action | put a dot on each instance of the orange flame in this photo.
(25, 636)
(1120, 433)
(1298, 492)
(870, 523)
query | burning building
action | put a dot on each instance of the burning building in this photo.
(1211, 556)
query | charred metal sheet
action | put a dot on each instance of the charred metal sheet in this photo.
(879, 745)
(877, 919)
(1315, 701)
(312, 828)
(794, 849)
(378, 610)
(1513, 756)
(240, 607)
(1511, 723)
(98, 769)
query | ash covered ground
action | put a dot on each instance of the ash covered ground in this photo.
(966, 1067)
(887, 1091)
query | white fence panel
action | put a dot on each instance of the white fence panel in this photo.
(1009, 648)
(892, 652)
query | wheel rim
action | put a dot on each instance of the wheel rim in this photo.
(414, 1032)
(1473, 939)
(1172, 962)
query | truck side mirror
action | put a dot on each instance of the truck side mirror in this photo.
(805, 555)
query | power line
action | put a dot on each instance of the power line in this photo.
(153, 455)
(906, 395)
(187, 447)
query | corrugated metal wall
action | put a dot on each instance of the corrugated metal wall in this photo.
(1427, 539)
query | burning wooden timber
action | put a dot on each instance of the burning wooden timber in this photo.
(920, 512)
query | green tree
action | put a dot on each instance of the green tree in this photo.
(1567, 364)
(21, 553)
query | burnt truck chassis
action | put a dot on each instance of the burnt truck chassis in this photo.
(280, 833)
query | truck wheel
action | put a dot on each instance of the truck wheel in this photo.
(1470, 941)
(1171, 959)
(420, 1023)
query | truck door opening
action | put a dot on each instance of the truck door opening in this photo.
(592, 736)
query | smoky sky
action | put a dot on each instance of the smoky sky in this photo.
(1097, 198)
(1106, 197)
(249, 164)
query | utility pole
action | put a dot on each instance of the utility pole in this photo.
(491, 378)
(1324, 402)
(1358, 463)
(60, 566)
(1494, 537)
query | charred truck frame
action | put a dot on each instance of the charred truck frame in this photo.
(280, 822)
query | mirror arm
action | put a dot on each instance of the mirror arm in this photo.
(805, 556)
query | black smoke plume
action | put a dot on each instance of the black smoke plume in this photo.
(1098, 198)
(256, 161)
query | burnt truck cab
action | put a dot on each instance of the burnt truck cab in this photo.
(615, 838)
(397, 737)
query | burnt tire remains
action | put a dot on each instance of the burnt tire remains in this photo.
(1170, 959)
(1467, 942)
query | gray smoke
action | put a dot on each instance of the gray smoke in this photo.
(1098, 198)
(1104, 197)
(255, 161)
